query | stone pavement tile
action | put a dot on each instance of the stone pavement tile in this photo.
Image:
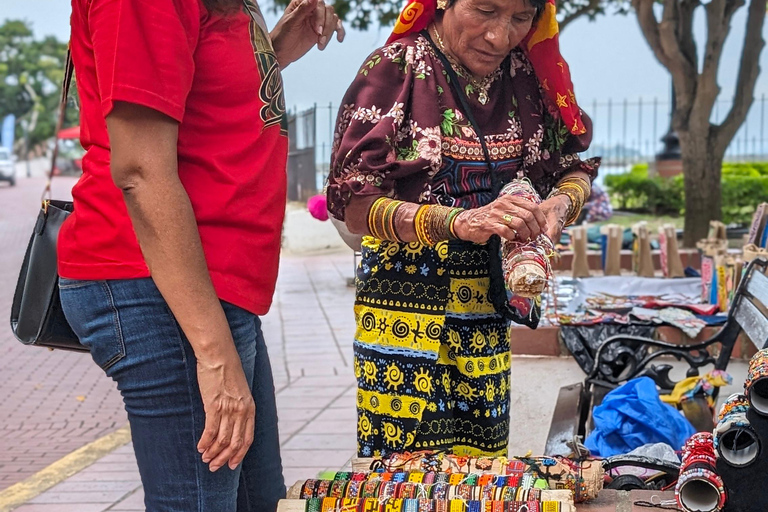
(311, 441)
(338, 415)
(69, 486)
(59, 507)
(292, 414)
(114, 476)
(316, 458)
(313, 391)
(332, 427)
(79, 497)
(303, 402)
(134, 503)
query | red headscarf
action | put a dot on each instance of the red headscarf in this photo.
(541, 44)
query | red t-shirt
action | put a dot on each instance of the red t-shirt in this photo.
(216, 75)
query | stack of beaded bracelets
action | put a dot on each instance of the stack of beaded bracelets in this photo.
(381, 219)
(578, 191)
(433, 223)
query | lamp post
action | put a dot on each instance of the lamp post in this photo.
(669, 161)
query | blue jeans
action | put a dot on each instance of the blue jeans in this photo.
(134, 338)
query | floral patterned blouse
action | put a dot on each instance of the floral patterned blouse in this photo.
(400, 132)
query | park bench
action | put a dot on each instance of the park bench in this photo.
(621, 358)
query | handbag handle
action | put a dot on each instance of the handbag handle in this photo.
(461, 97)
(69, 70)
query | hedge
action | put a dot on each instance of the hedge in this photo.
(744, 186)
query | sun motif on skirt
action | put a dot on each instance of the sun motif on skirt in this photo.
(393, 434)
(364, 428)
(423, 381)
(370, 372)
(394, 376)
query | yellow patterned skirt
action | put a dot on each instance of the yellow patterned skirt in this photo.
(432, 356)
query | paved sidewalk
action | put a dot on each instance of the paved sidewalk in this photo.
(51, 403)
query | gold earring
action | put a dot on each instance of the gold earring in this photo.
(442, 4)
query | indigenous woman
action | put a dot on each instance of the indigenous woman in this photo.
(459, 84)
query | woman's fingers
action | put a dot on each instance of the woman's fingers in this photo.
(244, 443)
(521, 230)
(212, 422)
(319, 22)
(331, 24)
(220, 444)
(341, 33)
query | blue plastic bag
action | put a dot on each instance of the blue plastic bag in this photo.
(633, 415)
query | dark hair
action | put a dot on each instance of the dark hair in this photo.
(536, 4)
(222, 6)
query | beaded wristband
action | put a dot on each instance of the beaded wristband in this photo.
(435, 223)
(381, 219)
(330, 505)
(308, 489)
(322, 489)
(577, 189)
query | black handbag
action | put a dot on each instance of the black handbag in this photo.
(36, 314)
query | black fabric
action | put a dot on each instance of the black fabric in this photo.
(497, 290)
(36, 314)
(583, 341)
(743, 484)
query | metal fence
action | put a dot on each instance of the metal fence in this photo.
(626, 132)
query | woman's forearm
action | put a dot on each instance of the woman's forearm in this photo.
(358, 211)
(144, 166)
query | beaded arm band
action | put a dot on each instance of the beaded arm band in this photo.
(577, 189)
(433, 223)
(381, 219)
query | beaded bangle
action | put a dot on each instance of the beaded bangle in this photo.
(322, 489)
(577, 189)
(381, 219)
(435, 223)
(308, 489)
(338, 488)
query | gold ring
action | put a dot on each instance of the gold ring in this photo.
(508, 218)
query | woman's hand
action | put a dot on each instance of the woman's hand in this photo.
(555, 209)
(512, 218)
(230, 412)
(304, 24)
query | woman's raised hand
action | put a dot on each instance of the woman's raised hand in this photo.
(509, 217)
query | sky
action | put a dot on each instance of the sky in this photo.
(609, 60)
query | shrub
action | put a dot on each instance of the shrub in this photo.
(744, 186)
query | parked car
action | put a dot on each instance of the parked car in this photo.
(70, 159)
(7, 167)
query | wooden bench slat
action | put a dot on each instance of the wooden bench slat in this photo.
(753, 321)
(758, 286)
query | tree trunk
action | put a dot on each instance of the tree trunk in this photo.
(702, 168)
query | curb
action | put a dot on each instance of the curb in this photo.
(29, 488)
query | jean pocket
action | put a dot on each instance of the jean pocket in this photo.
(95, 318)
(67, 284)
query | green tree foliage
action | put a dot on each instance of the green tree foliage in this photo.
(31, 71)
(744, 186)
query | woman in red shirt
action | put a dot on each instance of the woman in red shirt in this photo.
(172, 251)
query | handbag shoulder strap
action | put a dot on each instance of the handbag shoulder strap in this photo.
(69, 70)
(461, 97)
